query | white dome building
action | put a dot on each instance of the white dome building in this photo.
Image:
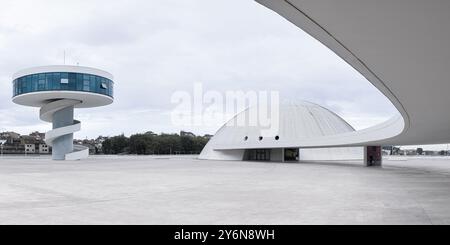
(239, 139)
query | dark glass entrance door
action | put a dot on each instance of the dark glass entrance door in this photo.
(258, 155)
(291, 155)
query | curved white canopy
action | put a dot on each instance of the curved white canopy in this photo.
(401, 46)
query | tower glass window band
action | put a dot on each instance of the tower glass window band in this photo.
(63, 81)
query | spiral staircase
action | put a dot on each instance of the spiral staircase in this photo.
(47, 112)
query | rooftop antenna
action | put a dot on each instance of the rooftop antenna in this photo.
(64, 57)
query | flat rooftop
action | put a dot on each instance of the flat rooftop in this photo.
(184, 190)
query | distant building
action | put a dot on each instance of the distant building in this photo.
(44, 149)
(10, 137)
(410, 152)
(386, 152)
(13, 149)
(24, 144)
(30, 148)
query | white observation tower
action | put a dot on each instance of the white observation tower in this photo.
(57, 90)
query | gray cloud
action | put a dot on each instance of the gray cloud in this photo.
(154, 48)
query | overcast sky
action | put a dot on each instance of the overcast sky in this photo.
(156, 47)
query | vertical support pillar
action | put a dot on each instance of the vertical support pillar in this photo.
(373, 156)
(63, 144)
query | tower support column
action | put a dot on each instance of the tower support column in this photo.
(63, 144)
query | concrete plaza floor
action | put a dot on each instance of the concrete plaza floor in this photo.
(176, 190)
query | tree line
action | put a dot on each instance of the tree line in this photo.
(150, 143)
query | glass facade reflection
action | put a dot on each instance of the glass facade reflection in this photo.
(67, 81)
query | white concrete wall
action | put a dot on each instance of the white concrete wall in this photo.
(332, 154)
(227, 155)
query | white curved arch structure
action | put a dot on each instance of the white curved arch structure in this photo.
(300, 120)
(401, 46)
